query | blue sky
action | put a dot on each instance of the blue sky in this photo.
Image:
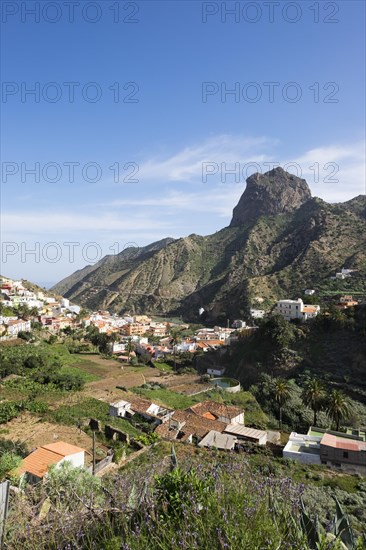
(176, 134)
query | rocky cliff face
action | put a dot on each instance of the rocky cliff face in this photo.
(279, 242)
(275, 192)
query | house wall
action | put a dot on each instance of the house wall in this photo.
(216, 372)
(76, 459)
(30, 478)
(153, 409)
(342, 458)
(304, 458)
(236, 420)
(115, 410)
(262, 440)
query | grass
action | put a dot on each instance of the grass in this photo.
(84, 409)
(254, 416)
(167, 397)
(90, 408)
(344, 482)
(163, 367)
(216, 500)
(222, 505)
(124, 425)
(80, 370)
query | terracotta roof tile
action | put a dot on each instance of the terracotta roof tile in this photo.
(337, 442)
(62, 448)
(192, 424)
(217, 409)
(38, 462)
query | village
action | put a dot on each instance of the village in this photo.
(132, 362)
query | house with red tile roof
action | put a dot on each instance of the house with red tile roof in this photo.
(345, 452)
(337, 450)
(219, 411)
(188, 426)
(35, 466)
(149, 410)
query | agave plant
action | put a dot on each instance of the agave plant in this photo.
(341, 533)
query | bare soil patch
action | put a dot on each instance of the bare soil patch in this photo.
(35, 433)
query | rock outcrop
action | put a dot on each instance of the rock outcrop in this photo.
(270, 194)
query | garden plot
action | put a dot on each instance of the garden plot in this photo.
(35, 433)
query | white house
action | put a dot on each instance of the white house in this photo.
(289, 309)
(35, 466)
(347, 272)
(186, 346)
(160, 412)
(238, 323)
(114, 347)
(119, 408)
(296, 309)
(216, 371)
(257, 313)
(309, 292)
(14, 327)
(303, 448)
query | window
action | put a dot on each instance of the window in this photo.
(345, 454)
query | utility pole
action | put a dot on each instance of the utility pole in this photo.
(4, 504)
(93, 470)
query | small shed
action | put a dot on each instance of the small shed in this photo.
(119, 408)
(218, 440)
(247, 434)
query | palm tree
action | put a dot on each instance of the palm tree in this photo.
(174, 340)
(33, 312)
(338, 407)
(282, 393)
(23, 311)
(129, 347)
(83, 313)
(313, 396)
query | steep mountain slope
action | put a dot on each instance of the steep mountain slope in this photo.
(279, 241)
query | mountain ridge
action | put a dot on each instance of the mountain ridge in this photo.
(280, 240)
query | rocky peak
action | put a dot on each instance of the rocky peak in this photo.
(269, 194)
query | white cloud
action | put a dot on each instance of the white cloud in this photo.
(26, 223)
(165, 209)
(218, 200)
(335, 172)
(186, 165)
